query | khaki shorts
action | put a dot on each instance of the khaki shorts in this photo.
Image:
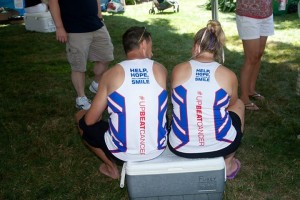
(92, 46)
(251, 28)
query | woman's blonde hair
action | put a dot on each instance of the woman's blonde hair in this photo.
(211, 39)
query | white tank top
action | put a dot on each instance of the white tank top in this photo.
(201, 122)
(137, 121)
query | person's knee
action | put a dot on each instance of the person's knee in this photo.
(253, 59)
(79, 115)
(260, 54)
(240, 103)
(238, 108)
(240, 111)
(79, 69)
(100, 67)
(101, 64)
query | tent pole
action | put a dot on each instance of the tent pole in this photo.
(214, 9)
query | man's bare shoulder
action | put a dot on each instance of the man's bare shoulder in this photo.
(114, 72)
(160, 74)
(113, 78)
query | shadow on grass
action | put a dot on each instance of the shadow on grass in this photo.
(288, 21)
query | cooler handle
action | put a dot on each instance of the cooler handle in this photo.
(122, 181)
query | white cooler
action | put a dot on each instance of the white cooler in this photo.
(170, 177)
(40, 22)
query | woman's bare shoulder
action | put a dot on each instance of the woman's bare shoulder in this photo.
(225, 71)
(181, 73)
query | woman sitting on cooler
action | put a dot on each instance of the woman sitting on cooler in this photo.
(208, 117)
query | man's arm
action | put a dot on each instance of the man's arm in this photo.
(61, 34)
(111, 80)
(160, 74)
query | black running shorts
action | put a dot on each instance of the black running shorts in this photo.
(94, 136)
(236, 122)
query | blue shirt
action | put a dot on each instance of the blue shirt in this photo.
(80, 16)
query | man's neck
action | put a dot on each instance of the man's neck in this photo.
(135, 54)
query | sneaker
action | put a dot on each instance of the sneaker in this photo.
(93, 87)
(83, 103)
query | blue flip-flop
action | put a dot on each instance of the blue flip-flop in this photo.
(235, 172)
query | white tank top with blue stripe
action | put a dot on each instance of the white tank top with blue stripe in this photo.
(137, 121)
(201, 122)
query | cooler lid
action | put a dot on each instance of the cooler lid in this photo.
(168, 163)
(38, 15)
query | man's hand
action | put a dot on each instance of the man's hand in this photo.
(61, 35)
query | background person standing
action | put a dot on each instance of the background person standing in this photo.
(254, 19)
(79, 24)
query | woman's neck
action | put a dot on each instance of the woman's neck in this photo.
(205, 57)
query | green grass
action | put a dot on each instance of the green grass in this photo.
(41, 154)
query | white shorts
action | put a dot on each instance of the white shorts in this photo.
(251, 28)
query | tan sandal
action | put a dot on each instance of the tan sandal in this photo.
(251, 106)
(257, 96)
